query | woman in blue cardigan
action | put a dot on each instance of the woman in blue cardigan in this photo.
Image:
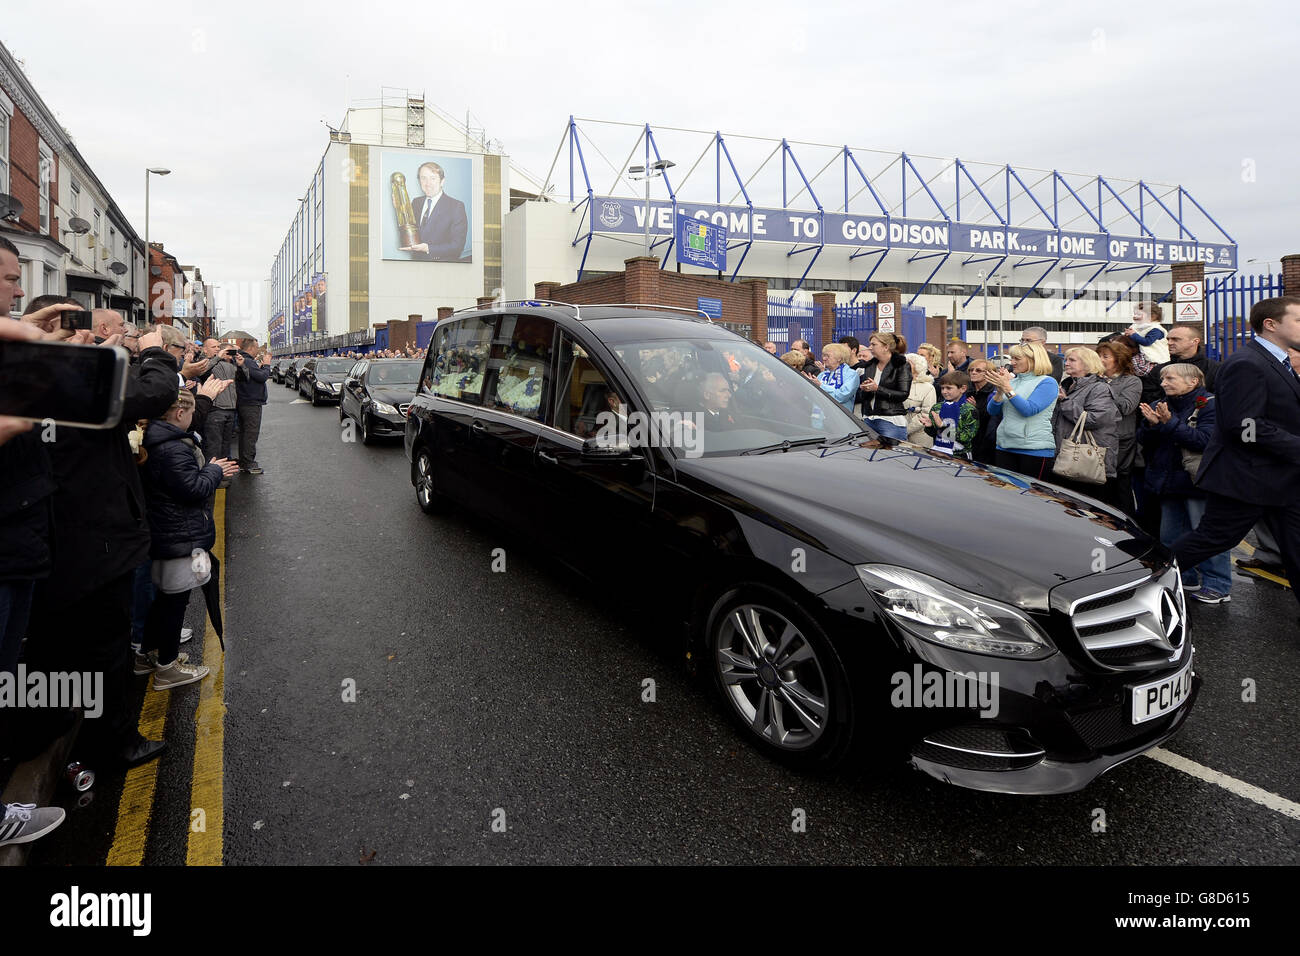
(1024, 401)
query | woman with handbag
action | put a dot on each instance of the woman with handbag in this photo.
(178, 485)
(1173, 435)
(1022, 403)
(1086, 424)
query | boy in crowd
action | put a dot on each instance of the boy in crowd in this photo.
(954, 422)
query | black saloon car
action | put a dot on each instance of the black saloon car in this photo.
(321, 380)
(289, 376)
(849, 597)
(376, 394)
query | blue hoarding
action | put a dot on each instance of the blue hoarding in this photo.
(710, 307)
(628, 217)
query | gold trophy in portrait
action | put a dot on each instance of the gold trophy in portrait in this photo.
(408, 234)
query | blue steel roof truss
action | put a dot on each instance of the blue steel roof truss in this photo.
(1003, 216)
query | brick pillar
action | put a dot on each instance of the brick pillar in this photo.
(824, 309)
(1188, 272)
(444, 312)
(641, 280)
(485, 301)
(890, 294)
(757, 308)
(545, 290)
(399, 332)
(1291, 275)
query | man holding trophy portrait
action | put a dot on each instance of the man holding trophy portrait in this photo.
(433, 226)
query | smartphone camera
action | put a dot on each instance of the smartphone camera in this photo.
(74, 320)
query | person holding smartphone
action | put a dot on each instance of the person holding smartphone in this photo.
(219, 430)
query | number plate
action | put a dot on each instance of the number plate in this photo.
(1162, 696)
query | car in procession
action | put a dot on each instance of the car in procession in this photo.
(321, 379)
(815, 569)
(376, 394)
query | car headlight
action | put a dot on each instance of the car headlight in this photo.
(945, 615)
(381, 409)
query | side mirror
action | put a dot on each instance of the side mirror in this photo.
(594, 449)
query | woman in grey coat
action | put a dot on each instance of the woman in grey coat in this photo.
(1126, 389)
(1088, 394)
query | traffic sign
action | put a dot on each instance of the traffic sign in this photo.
(1189, 312)
(1191, 291)
(885, 310)
(886, 323)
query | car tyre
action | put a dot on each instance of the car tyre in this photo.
(426, 495)
(367, 437)
(780, 679)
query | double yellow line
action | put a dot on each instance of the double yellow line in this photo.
(205, 821)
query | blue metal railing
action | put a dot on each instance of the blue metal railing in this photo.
(1228, 304)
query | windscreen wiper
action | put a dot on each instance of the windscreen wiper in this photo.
(843, 438)
(781, 446)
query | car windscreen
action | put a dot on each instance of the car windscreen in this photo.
(713, 396)
(334, 366)
(395, 374)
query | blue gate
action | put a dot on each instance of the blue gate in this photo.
(1227, 315)
(787, 322)
(859, 321)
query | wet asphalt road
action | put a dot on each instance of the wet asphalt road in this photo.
(515, 696)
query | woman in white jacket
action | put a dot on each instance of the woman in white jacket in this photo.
(920, 399)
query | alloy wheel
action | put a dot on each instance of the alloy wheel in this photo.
(770, 673)
(424, 493)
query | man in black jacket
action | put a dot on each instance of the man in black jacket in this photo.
(1251, 467)
(250, 398)
(81, 615)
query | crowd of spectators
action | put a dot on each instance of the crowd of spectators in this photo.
(107, 530)
(1145, 395)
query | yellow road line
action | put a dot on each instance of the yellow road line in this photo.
(136, 805)
(205, 843)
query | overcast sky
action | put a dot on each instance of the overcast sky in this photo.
(231, 96)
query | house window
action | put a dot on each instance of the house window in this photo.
(47, 175)
(74, 203)
(4, 152)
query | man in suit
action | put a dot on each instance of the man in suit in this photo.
(1251, 467)
(440, 219)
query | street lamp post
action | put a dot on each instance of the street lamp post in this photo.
(655, 169)
(1001, 280)
(148, 256)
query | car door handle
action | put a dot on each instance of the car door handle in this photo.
(547, 457)
(477, 426)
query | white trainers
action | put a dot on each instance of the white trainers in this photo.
(177, 673)
(25, 822)
(148, 663)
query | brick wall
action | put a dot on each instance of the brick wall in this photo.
(1291, 275)
(743, 303)
(25, 171)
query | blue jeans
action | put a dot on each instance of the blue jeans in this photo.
(1178, 516)
(888, 429)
